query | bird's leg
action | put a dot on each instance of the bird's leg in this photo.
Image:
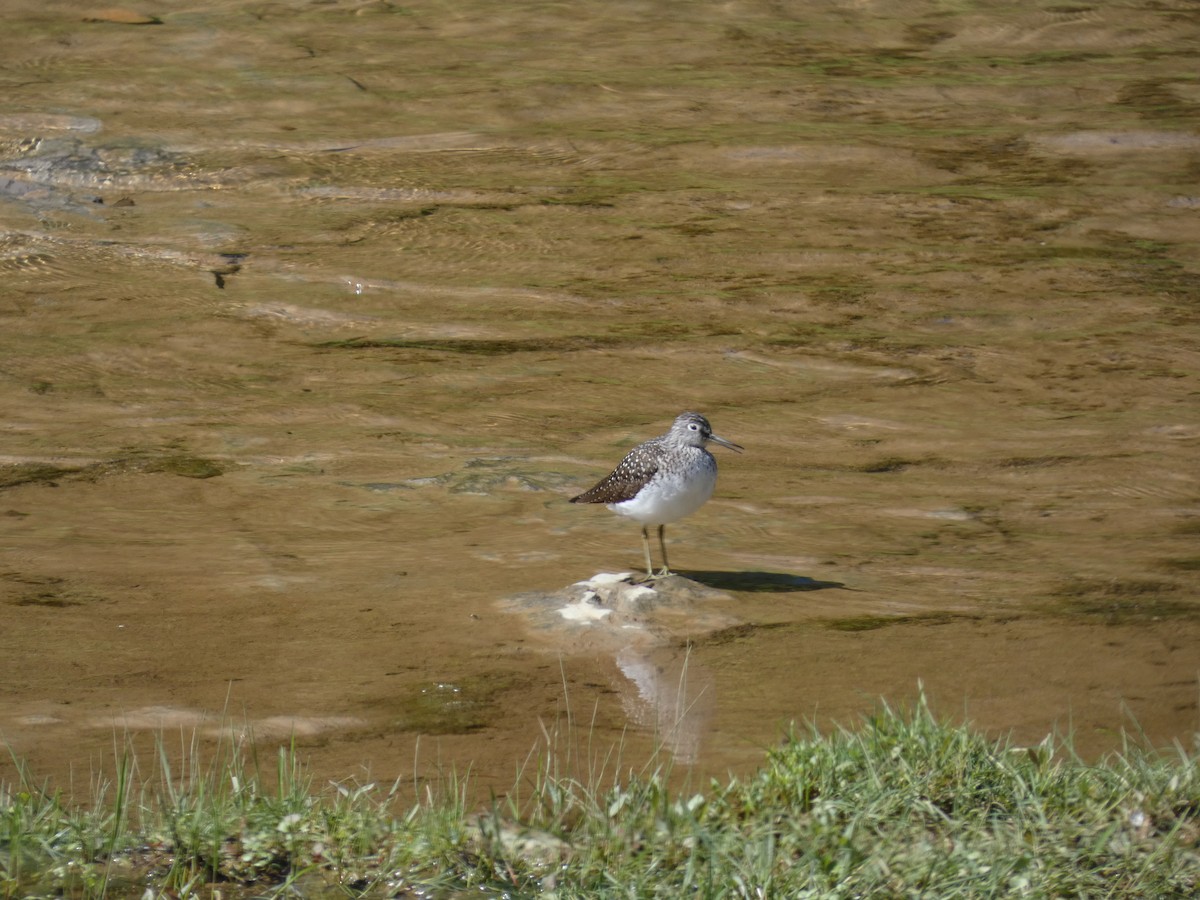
(662, 545)
(646, 547)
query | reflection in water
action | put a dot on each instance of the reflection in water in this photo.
(667, 696)
(674, 699)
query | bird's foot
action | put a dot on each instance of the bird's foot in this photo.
(652, 576)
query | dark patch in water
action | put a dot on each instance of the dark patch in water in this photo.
(1118, 600)
(1154, 99)
(45, 592)
(888, 464)
(30, 473)
(1007, 161)
(1029, 462)
(172, 464)
(480, 347)
(871, 623)
(737, 633)
(453, 707)
(185, 466)
(48, 599)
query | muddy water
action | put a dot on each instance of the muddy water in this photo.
(313, 315)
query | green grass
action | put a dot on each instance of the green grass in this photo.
(903, 805)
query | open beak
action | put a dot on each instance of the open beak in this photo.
(736, 448)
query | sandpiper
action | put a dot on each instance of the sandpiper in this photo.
(662, 480)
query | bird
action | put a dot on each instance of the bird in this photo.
(662, 480)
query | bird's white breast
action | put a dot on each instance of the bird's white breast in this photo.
(672, 493)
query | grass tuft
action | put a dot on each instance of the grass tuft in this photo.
(904, 804)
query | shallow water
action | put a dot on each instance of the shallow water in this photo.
(314, 315)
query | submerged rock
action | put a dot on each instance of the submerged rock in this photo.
(614, 610)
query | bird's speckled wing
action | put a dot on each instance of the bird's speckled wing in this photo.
(626, 479)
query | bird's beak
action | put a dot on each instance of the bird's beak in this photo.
(736, 448)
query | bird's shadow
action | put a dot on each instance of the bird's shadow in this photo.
(761, 582)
